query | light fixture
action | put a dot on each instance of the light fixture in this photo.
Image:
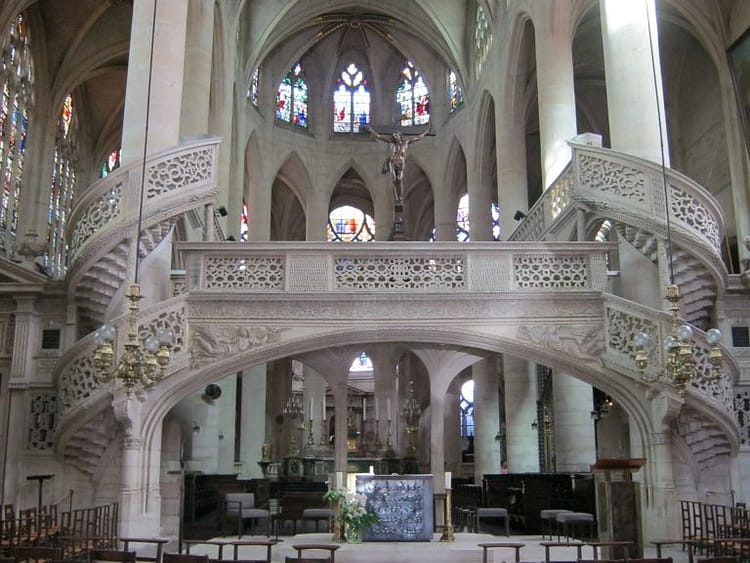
(679, 367)
(139, 365)
(518, 215)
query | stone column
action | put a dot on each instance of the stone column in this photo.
(635, 98)
(253, 421)
(575, 446)
(167, 77)
(314, 394)
(444, 211)
(520, 411)
(511, 168)
(196, 95)
(486, 419)
(341, 403)
(554, 74)
(437, 439)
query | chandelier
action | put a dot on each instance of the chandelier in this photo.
(144, 364)
(679, 365)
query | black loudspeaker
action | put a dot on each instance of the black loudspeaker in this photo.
(212, 391)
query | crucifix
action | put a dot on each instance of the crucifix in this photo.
(394, 164)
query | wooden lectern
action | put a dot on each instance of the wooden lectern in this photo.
(618, 505)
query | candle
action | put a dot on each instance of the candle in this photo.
(388, 405)
(364, 409)
(323, 408)
(447, 479)
(377, 410)
(372, 470)
(310, 414)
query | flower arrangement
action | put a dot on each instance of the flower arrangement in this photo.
(352, 510)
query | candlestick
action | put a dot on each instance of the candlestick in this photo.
(388, 405)
(389, 437)
(310, 414)
(310, 439)
(377, 410)
(364, 409)
(378, 443)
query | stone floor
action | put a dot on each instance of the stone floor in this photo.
(464, 549)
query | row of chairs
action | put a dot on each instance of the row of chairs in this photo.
(75, 531)
(711, 528)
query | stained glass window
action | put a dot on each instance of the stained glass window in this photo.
(253, 90)
(112, 162)
(462, 219)
(349, 224)
(292, 98)
(62, 188)
(351, 101)
(455, 92)
(466, 403)
(361, 363)
(16, 80)
(413, 97)
(243, 223)
(482, 38)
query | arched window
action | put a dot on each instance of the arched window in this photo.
(16, 81)
(253, 89)
(463, 229)
(455, 92)
(413, 97)
(349, 224)
(292, 98)
(112, 162)
(351, 101)
(482, 38)
(361, 363)
(466, 403)
(62, 188)
(243, 223)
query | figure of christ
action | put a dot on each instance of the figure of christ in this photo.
(395, 162)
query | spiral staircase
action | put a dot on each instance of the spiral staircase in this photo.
(598, 184)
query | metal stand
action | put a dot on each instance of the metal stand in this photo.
(448, 528)
(40, 479)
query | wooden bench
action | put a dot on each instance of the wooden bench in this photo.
(495, 545)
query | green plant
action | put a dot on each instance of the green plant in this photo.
(352, 508)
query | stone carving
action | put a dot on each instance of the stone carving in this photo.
(77, 382)
(42, 420)
(211, 342)
(191, 167)
(100, 213)
(558, 271)
(532, 227)
(580, 341)
(261, 272)
(612, 177)
(689, 210)
(413, 272)
(742, 411)
(721, 390)
(621, 330)
(559, 193)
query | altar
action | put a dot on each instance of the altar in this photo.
(403, 504)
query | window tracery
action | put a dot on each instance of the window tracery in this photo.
(292, 98)
(349, 224)
(413, 97)
(351, 101)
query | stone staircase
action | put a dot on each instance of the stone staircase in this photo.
(84, 450)
(705, 439)
(696, 282)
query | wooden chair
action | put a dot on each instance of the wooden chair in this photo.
(330, 548)
(37, 554)
(111, 555)
(157, 544)
(237, 544)
(183, 558)
(240, 507)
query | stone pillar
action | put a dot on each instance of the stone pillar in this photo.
(341, 404)
(480, 201)
(196, 96)
(167, 77)
(575, 445)
(486, 419)
(445, 211)
(130, 490)
(635, 103)
(554, 74)
(437, 440)
(520, 412)
(253, 420)
(511, 169)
